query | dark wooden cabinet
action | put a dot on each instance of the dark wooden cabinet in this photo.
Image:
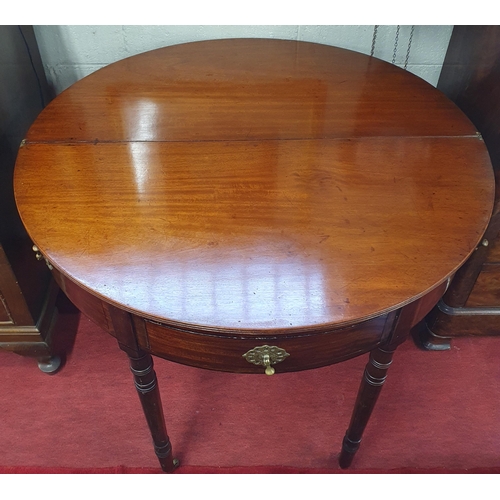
(471, 78)
(27, 291)
(27, 309)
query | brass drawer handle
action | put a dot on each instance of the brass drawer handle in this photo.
(266, 355)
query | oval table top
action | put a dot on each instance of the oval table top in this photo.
(256, 185)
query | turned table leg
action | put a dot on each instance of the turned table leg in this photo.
(149, 395)
(369, 390)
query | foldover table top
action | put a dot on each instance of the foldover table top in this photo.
(254, 185)
(240, 204)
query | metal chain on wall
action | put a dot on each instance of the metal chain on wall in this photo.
(374, 39)
(396, 39)
(396, 42)
(409, 46)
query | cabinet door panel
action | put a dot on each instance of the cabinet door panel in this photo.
(13, 301)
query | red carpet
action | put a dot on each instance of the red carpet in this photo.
(438, 412)
(237, 470)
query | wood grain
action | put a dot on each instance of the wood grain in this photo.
(369, 203)
(257, 234)
(233, 193)
(245, 90)
(305, 351)
(470, 77)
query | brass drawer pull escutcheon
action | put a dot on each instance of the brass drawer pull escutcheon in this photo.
(266, 355)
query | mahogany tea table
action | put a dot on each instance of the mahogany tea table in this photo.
(254, 206)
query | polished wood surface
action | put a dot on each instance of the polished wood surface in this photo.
(206, 199)
(370, 202)
(290, 234)
(218, 351)
(470, 77)
(247, 89)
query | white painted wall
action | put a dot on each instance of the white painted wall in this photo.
(70, 52)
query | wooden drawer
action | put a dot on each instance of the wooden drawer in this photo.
(223, 353)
